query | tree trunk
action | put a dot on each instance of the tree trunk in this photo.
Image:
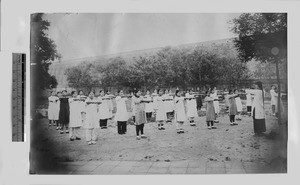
(279, 91)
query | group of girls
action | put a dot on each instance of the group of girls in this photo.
(75, 111)
(93, 112)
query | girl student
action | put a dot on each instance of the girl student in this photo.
(191, 107)
(104, 110)
(215, 96)
(122, 115)
(168, 108)
(58, 124)
(82, 104)
(161, 116)
(258, 111)
(53, 108)
(232, 107)
(110, 104)
(75, 116)
(148, 105)
(140, 115)
(239, 105)
(210, 111)
(179, 115)
(249, 102)
(91, 123)
(64, 112)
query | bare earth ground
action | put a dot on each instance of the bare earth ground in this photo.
(226, 143)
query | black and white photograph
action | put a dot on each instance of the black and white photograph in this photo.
(158, 93)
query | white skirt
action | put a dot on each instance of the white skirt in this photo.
(239, 105)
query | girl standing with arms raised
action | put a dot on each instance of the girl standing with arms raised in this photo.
(103, 111)
(148, 105)
(232, 107)
(161, 116)
(191, 107)
(210, 111)
(121, 115)
(91, 123)
(53, 109)
(180, 116)
(64, 112)
(258, 111)
(140, 115)
(75, 116)
(239, 105)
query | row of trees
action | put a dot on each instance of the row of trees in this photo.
(168, 67)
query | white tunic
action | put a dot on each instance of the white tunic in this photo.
(258, 103)
(160, 109)
(103, 110)
(75, 113)
(216, 102)
(82, 103)
(121, 114)
(53, 108)
(191, 106)
(167, 103)
(239, 105)
(180, 115)
(92, 120)
(110, 105)
(274, 96)
(148, 106)
(249, 99)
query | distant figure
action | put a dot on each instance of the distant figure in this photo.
(148, 105)
(53, 109)
(103, 110)
(239, 105)
(75, 117)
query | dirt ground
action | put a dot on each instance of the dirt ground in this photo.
(223, 144)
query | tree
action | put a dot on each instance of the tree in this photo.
(43, 52)
(83, 75)
(263, 37)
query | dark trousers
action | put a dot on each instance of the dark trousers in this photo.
(103, 123)
(122, 127)
(139, 129)
(148, 115)
(210, 123)
(232, 118)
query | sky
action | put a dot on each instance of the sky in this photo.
(87, 35)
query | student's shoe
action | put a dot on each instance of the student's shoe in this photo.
(213, 127)
(209, 127)
(162, 128)
(274, 114)
(178, 131)
(67, 131)
(192, 124)
(181, 131)
(234, 123)
(231, 124)
(90, 142)
(93, 142)
(216, 121)
(143, 136)
(61, 132)
(57, 128)
(78, 138)
(138, 137)
(71, 139)
(159, 128)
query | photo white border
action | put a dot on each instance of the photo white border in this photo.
(15, 37)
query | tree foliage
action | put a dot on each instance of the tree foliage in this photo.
(43, 52)
(168, 67)
(259, 33)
